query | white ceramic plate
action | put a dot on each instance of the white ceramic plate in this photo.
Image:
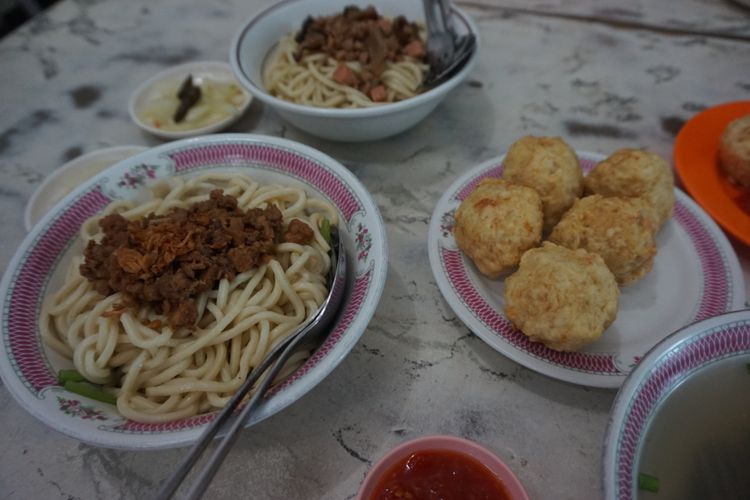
(29, 370)
(68, 177)
(672, 364)
(216, 70)
(696, 275)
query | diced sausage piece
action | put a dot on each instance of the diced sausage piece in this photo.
(377, 94)
(344, 75)
(415, 49)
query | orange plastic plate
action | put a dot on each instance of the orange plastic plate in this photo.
(696, 158)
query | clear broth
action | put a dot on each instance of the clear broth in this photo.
(698, 444)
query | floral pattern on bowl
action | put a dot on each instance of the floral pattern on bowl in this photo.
(28, 369)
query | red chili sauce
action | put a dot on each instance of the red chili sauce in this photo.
(439, 475)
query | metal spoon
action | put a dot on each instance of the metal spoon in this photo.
(446, 13)
(311, 332)
(465, 48)
(446, 52)
(440, 44)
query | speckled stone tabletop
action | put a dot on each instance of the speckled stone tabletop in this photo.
(602, 74)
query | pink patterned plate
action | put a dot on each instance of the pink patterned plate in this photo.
(682, 414)
(696, 275)
(28, 369)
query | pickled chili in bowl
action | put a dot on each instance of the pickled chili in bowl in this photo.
(186, 103)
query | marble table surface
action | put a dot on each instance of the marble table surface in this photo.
(602, 74)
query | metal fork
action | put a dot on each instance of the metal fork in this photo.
(314, 329)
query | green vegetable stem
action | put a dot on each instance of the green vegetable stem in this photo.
(325, 229)
(91, 391)
(66, 375)
(648, 483)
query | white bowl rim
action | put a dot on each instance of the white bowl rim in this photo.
(183, 68)
(260, 93)
(125, 151)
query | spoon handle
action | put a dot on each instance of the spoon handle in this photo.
(431, 20)
(218, 455)
(169, 488)
(446, 12)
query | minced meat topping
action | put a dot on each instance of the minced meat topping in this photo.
(165, 261)
(364, 36)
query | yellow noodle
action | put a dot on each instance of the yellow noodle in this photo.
(160, 374)
(310, 81)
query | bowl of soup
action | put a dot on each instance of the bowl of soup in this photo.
(680, 424)
(445, 467)
(350, 73)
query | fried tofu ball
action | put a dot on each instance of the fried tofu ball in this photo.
(497, 223)
(621, 230)
(562, 298)
(550, 167)
(635, 173)
(734, 151)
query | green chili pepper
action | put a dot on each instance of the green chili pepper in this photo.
(66, 375)
(89, 390)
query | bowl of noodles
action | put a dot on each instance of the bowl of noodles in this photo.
(350, 73)
(137, 305)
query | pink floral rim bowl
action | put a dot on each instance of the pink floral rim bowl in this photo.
(513, 486)
(674, 365)
(29, 370)
(696, 275)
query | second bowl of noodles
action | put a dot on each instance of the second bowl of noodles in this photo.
(165, 279)
(347, 74)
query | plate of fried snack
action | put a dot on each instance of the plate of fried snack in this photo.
(575, 264)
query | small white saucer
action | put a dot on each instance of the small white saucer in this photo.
(216, 70)
(66, 178)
